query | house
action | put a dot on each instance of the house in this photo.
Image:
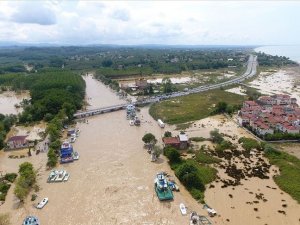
(249, 104)
(171, 141)
(184, 141)
(179, 142)
(17, 142)
(141, 83)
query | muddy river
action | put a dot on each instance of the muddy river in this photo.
(9, 99)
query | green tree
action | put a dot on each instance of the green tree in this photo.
(172, 154)
(149, 138)
(167, 85)
(221, 107)
(167, 134)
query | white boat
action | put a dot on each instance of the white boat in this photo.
(73, 139)
(60, 176)
(42, 203)
(182, 208)
(66, 178)
(52, 176)
(131, 122)
(75, 156)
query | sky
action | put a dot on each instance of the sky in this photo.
(150, 22)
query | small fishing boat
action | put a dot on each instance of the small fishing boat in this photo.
(66, 178)
(131, 122)
(52, 176)
(60, 175)
(31, 220)
(182, 209)
(42, 203)
(75, 156)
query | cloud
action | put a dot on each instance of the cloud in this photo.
(120, 14)
(144, 22)
(34, 13)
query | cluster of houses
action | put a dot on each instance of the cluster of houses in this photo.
(269, 114)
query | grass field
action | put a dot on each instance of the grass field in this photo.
(289, 178)
(192, 107)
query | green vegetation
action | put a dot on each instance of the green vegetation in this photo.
(202, 156)
(5, 184)
(52, 158)
(26, 181)
(10, 177)
(223, 107)
(172, 154)
(269, 60)
(51, 91)
(167, 134)
(149, 138)
(5, 219)
(289, 178)
(192, 107)
(224, 145)
(249, 144)
(193, 175)
(197, 139)
(5, 124)
(281, 136)
(216, 137)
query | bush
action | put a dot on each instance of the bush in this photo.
(172, 154)
(26, 180)
(203, 157)
(187, 174)
(249, 144)
(10, 177)
(215, 136)
(198, 139)
(224, 145)
(167, 134)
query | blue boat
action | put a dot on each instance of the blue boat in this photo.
(66, 153)
(31, 220)
(162, 188)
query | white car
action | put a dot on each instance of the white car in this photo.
(42, 203)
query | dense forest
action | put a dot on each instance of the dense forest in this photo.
(50, 90)
(120, 61)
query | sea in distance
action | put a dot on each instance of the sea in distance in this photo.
(290, 51)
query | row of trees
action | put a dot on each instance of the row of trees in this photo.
(26, 180)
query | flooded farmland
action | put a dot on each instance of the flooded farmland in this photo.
(9, 99)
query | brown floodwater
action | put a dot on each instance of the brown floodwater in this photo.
(111, 183)
(9, 99)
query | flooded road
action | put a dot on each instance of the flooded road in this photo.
(9, 99)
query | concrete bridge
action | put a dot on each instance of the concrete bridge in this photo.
(102, 110)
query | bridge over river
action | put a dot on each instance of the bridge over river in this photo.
(250, 72)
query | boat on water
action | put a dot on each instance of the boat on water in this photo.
(162, 188)
(66, 178)
(42, 203)
(66, 152)
(60, 175)
(182, 209)
(52, 176)
(196, 219)
(75, 155)
(31, 220)
(131, 122)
